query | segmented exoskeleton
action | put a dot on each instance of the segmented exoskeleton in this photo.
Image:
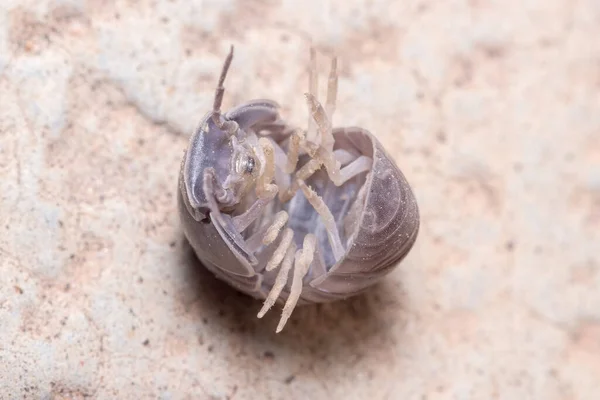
(293, 215)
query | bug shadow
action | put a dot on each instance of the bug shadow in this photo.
(346, 328)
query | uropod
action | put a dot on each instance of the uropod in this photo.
(293, 215)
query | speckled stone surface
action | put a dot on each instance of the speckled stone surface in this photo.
(491, 108)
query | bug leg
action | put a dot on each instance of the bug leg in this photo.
(323, 154)
(272, 233)
(280, 219)
(332, 85)
(337, 174)
(215, 193)
(319, 116)
(338, 157)
(332, 232)
(264, 187)
(313, 88)
(254, 242)
(344, 156)
(280, 281)
(277, 257)
(243, 221)
(358, 166)
(267, 234)
(315, 164)
(303, 174)
(303, 260)
(293, 151)
(282, 178)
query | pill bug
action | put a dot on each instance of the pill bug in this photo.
(288, 215)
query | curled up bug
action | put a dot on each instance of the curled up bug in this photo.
(288, 215)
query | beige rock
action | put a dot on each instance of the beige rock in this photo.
(492, 110)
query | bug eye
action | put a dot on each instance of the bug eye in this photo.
(246, 165)
(249, 165)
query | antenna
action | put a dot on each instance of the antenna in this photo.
(220, 89)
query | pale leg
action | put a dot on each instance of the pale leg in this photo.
(327, 141)
(280, 281)
(303, 258)
(280, 219)
(277, 257)
(313, 88)
(243, 221)
(264, 187)
(332, 232)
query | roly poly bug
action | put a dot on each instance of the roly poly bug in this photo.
(291, 215)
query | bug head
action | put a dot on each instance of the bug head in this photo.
(225, 148)
(245, 166)
(241, 149)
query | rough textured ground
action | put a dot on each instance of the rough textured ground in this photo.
(492, 109)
